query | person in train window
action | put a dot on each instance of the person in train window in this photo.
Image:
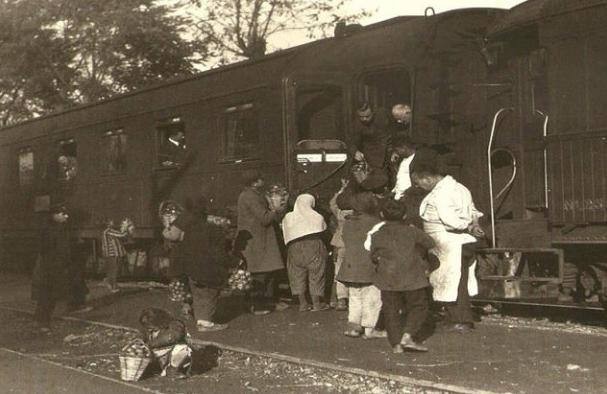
(371, 137)
(451, 219)
(173, 149)
(303, 230)
(261, 252)
(401, 120)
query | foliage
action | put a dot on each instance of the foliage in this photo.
(241, 28)
(57, 53)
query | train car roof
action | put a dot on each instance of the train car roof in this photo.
(350, 40)
(532, 11)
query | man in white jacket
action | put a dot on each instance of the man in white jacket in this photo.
(451, 219)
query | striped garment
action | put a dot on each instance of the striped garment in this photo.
(111, 245)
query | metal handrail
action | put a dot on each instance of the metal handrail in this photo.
(490, 171)
(544, 134)
(514, 170)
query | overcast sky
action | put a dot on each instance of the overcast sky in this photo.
(390, 8)
(386, 9)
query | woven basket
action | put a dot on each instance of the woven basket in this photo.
(131, 368)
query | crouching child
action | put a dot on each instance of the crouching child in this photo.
(167, 338)
(398, 251)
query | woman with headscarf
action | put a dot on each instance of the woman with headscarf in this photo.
(306, 252)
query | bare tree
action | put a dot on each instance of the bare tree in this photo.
(241, 28)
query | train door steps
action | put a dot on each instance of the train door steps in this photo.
(495, 357)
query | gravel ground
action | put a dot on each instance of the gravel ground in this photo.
(95, 349)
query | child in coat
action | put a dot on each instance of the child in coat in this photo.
(357, 271)
(339, 291)
(113, 251)
(397, 250)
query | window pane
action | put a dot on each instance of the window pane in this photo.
(241, 134)
(319, 113)
(26, 167)
(67, 160)
(115, 154)
(171, 143)
(386, 88)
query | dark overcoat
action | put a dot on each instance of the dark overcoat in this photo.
(202, 254)
(54, 261)
(357, 266)
(257, 221)
(398, 250)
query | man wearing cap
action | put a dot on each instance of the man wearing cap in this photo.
(56, 269)
(256, 223)
(371, 137)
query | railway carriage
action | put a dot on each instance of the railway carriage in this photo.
(515, 98)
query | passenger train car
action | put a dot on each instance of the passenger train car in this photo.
(515, 97)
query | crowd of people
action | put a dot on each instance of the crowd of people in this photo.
(402, 236)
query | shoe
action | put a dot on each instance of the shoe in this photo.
(320, 307)
(211, 327)
(81, 309)
(281, 306)
(175, 373)
(342, 305)
(397, 349)
(352, 333)
(260, 312)
(305, 307)
(374, 334)
(408, 343)
(45, 329)
(114, 290)
(461, 327)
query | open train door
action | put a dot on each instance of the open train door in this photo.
(316, 119)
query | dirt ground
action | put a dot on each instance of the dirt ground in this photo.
(95, 349)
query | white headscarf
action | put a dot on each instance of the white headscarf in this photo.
(304, 220)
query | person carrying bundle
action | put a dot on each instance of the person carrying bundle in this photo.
(167, 336)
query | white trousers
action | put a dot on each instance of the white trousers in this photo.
(364, 305)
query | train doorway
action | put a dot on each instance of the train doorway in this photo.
(316, 123)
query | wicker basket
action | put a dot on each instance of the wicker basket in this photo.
(131, 368)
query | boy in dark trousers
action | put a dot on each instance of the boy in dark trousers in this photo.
(401, 275)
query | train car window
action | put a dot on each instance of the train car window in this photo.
(320, 113)
(67, 162)
(385, 88)
(26, 167)
(241, 132)
(115, 151)
(171, 142)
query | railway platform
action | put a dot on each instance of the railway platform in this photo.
(501, 355)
